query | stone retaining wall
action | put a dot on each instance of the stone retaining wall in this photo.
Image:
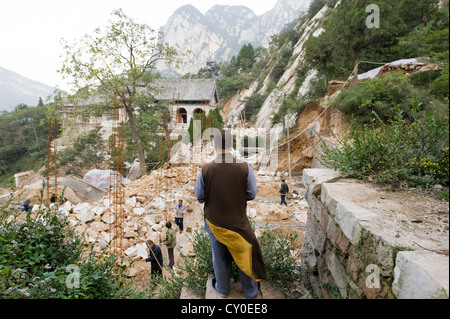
(352, 251)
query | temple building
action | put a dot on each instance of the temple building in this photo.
(188, 97)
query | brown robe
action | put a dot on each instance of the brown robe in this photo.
(225, 211)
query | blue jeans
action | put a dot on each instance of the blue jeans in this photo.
(283, 200)
(179, 223)
(222, 269)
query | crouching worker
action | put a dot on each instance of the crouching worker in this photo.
(225, 185)
(155, 258)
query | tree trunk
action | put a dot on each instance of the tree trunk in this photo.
(35, 135)
(137, 141)
(325, 73)
(356, 69)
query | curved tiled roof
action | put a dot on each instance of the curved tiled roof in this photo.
(188, 89)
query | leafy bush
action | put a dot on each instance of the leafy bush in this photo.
(414, 152)
(193, 272)
(382, 95)
(280, 263)
(168, 287)
(36, 250)
(197, 269)
(440, 86)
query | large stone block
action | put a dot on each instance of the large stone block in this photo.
(314, 241)
(350, 216)
(317, 235)
(421, 275)
(313, 179)
(338, 271)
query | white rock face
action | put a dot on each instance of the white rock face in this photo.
(223, 30)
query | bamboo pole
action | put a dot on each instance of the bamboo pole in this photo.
(48, 156)
(289, 150)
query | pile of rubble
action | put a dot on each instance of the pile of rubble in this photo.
(148, 204)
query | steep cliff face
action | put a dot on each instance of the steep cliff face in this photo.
(285, 85)
(221, 31)
(315, 117)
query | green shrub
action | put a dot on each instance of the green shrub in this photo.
(413, 151)
(191, 273)
(440, 86)
(280, 263)
(383, 95)
(197, 269)
(36, 250)
(168, 287)
(194, 271)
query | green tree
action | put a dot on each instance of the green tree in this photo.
(151, 124)
(253, 104)
(246, 57)
(23, 139)
(214, 119)
(88, 151)
(319, 50)
(350, 32)
(118, 59)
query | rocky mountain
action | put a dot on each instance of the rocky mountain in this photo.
(223, 30)
(16, 89)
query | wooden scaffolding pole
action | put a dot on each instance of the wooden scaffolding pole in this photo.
(49, 155)
(55, 149)
(289, 150)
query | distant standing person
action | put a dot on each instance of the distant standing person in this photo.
(170, 242)
(180, 210)
(283, 191)
(155, 258)
(53, 198)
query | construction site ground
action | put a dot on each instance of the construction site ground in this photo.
(148, 204)
(266, 212)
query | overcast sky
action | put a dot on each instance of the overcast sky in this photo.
(30, 30)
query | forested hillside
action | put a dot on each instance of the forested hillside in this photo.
(23, 141)
(330, 42)
(399, 120)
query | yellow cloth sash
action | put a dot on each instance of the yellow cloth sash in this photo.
(240, 249)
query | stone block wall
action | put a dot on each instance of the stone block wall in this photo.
(350, 250)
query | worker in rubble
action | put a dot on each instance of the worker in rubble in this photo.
(155, 258)
(26, 205)
(53, 199)
(63, 201)
(180, 210)
(284, 189)
(170, 242)
(224, 186)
